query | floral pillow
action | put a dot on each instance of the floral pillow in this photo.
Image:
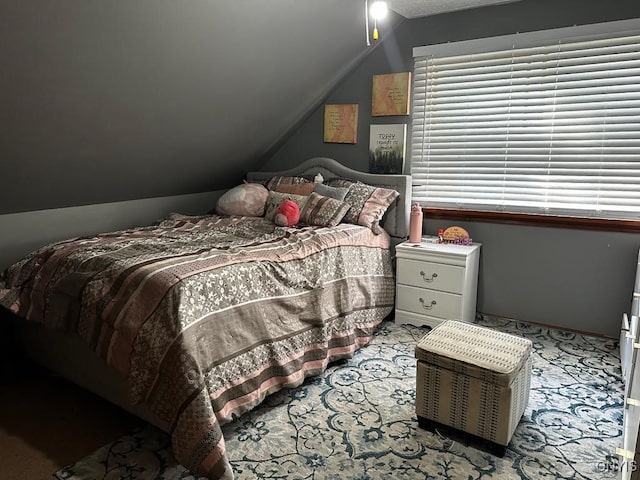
(248, 199)
(368, 203)
(323, 211)
(275, 198)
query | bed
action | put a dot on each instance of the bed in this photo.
(192, 321)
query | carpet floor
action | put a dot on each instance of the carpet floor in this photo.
(357, 422)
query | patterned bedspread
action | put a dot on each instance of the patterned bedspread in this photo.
(207, 315)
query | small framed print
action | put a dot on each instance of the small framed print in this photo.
(390, 94)
(341, 123)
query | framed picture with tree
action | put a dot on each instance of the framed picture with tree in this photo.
(387, 148)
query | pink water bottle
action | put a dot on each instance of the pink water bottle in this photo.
(415, 224)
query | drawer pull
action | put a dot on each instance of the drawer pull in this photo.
(429, 279)
(428, 306)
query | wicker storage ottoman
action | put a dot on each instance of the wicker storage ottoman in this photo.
(474, 379)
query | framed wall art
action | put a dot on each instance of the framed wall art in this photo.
(390, 94)
(341, 123)
(387, 148)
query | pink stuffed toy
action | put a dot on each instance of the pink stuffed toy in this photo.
(288, 214)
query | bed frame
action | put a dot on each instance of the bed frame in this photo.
(70, 357)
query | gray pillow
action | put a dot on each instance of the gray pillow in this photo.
(333, 192)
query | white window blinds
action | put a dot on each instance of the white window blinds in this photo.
(550, 128)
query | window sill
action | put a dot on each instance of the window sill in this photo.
(626, 226)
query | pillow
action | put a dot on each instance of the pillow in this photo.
(340, 182)
(274, 182)
(368, 205)
(323, 211)
(296, 188)
(248, 199)
(275, 198)
(333, 192)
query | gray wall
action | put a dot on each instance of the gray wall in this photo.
(575, 279)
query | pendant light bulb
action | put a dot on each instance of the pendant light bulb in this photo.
(379, 10)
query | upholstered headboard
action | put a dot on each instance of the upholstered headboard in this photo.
(395, 221)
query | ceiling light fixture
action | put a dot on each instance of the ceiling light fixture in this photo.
(378, 11)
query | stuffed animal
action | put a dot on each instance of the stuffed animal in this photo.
(288, 214)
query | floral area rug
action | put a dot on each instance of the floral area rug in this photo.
(357, 422)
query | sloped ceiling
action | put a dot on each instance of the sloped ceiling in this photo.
(105, 101)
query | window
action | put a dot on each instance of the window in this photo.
(545, 122)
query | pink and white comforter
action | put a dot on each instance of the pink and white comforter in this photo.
(207, 315)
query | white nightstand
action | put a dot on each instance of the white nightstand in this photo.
(436, 282)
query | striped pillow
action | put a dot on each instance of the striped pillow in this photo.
(323, 211)
(296, 188)
(274, 182)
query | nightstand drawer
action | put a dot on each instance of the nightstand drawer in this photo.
(435, 276)
(429, 302)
